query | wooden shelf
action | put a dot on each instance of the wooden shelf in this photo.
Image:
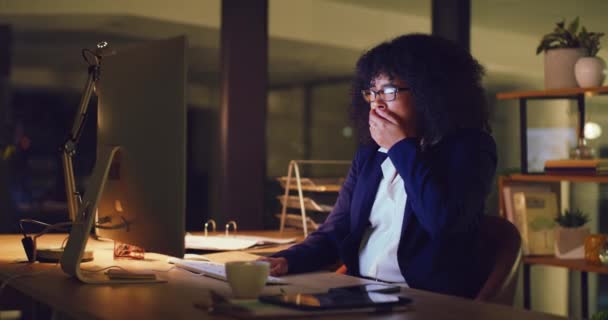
(310, 186)
(293, 202)
(554, 178)
(572, 264)
(295, 221)
(318, 188)
(570, 93)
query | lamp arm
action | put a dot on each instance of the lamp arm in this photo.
(69, 147)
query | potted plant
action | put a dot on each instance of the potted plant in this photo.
(589, 70)
(570, 234)
(562, 49)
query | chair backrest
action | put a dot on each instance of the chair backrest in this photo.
(501, 253)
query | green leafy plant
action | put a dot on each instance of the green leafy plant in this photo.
(590, 41)
(572, 219)
(569, 37)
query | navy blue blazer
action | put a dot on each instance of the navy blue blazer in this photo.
(446, 186)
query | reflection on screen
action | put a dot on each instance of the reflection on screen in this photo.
(339, 299)
(381, 298)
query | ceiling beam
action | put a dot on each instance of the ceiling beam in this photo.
(451, 19)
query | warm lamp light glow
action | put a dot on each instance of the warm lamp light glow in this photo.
(592, 130)
(590, 94)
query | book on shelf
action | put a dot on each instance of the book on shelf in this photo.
(510, 190)
(577, 167)
(535, 213)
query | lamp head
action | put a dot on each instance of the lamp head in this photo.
(103, 50)
(94, 57)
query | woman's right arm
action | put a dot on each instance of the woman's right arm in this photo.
(320, 247)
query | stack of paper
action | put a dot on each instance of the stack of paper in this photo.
(227, 243)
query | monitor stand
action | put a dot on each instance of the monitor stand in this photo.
(84, 221)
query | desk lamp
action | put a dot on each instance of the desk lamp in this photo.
(69, 147)
(74, 199)
(68, 150)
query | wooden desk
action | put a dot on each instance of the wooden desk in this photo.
(175, 299)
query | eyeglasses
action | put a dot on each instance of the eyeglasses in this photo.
(386, 93)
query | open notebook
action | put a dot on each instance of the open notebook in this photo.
(231, 242)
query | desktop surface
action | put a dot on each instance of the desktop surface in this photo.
(176, 298)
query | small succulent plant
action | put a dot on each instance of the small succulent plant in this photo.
(572, 219)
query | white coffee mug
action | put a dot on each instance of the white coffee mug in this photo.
(247, 278)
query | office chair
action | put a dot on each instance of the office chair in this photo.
(502, 256)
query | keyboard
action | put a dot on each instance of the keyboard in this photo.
(213, 270)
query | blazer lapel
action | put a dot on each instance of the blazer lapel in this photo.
(365, 193)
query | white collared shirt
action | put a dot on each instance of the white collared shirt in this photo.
(378, 256)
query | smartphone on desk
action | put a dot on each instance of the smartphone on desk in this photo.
(370, 287)
(338, 300)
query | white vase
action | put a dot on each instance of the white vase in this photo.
(590, 71)
(559, 67)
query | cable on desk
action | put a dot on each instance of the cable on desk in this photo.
(29, 243)
(104, 269)
(64, 242)
(48, 227)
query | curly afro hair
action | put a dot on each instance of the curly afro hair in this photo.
(444, 79)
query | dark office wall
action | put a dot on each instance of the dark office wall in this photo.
(40, 121)
(7, 210)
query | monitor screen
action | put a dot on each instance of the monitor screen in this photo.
(142, 109)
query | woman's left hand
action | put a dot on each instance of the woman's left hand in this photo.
(385, 128)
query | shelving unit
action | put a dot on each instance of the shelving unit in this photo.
(306, 185)
(579, 265)
(578, 94)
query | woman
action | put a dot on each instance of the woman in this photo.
(410, 208)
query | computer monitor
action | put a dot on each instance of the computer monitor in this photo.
(139, 180)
